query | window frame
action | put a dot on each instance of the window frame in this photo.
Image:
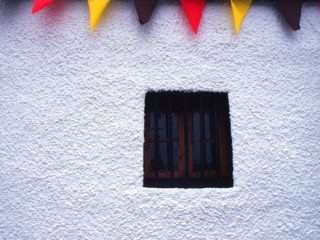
(147, 159)
(185, 176)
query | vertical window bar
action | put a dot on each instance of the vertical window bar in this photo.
(202, 144)
(217, 141)
(168, 139)
(214, 134)
(170, 132)
(186, 142)
(156, 142)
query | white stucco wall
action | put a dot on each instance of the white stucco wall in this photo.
(71, 122)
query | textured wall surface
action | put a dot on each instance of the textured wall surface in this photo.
(72, 110)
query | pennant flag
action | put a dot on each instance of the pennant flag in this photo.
(239, 11)
(145, 9)
(96, 8)
(39, 4)
(193, 10)
(291, 10)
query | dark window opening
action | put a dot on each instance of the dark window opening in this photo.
(187, 140)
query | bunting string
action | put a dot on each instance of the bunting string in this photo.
(291, 9)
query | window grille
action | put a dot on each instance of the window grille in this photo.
(187, 140)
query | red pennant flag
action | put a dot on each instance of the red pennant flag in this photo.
(291, 10)
(39, 4)
(193, 10)
(145, 9)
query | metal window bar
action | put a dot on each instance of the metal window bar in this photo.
(202, 144)
(156, 144)
(213, 140)
(186, 143)
(217, 157)
(170, 136)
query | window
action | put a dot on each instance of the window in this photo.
(187, 140)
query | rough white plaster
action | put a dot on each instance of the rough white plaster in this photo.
(71, 122)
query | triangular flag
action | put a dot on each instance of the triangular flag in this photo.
(291, 10)
(193, 10)
(145, 9)
(39, 4)
(96, 8)
(239, 10)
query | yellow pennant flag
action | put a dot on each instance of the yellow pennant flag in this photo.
(96, 8)
(239, 10)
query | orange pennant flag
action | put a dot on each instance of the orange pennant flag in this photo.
(239, 10)
(193, 10)
(39, 4)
